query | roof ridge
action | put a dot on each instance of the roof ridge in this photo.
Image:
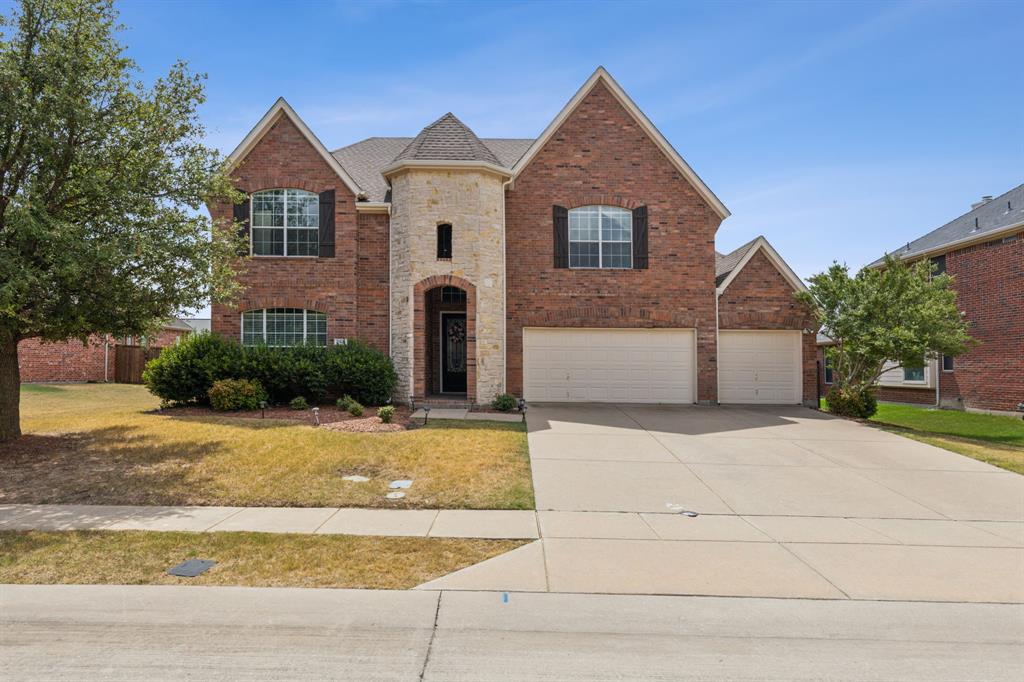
(448, 139)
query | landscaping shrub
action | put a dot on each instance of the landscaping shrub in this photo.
(360, 371)
(298, 403)
(236, 394)
(851, 403)
(355, 409)
(344, 402)
(386, 414)
(185, 371)
(504, 402)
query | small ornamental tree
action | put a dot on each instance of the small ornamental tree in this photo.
(101, 184)
(894, 313)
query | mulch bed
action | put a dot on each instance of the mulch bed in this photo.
(332, 417)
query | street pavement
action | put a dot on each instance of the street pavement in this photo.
(67, 632)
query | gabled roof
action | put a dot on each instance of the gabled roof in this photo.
(366, 159)
(447, 139)
(729, 265)
(1001, 214)
(282, 108)
(726, 263)
(602, 76)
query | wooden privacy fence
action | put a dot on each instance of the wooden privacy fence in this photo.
(129, 361)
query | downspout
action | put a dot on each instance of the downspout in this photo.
(504, 292)
(938, 376)
(106, 358)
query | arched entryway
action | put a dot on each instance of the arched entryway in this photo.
(444, 330)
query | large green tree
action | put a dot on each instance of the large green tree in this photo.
(101, 183)
(897, 313)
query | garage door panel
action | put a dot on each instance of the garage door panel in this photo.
(759, 367)
(608, 365)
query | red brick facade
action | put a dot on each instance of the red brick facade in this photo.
(759, 297)
(71, 361)
(284, 158)
(989, 279)
(601, 155)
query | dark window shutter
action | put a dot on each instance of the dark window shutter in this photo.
(640, 238)
(327, 224)
(561, 242)
(240, 214)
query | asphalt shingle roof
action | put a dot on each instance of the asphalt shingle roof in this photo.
(1002, 211)
(726, 263)
(365, 160)
(447, 139)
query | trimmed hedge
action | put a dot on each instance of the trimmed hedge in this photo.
(185, 372)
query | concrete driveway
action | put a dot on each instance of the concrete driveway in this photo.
(790, 503)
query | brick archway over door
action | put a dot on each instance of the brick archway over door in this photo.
(419, 330)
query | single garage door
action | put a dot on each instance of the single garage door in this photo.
(759, 367)
(608, 365)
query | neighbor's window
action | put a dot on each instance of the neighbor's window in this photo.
(828, 369)
(444, 241)
(939, 264)
(285, 222)
(284, 327)
(600, 237)
(913, 373)
(947, 363)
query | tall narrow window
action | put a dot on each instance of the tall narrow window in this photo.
(828, 369)
(947, 363)
(285, 222)
(444, 241)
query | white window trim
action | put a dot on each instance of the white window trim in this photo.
(263, 319)
(252, 226)
(600, 240)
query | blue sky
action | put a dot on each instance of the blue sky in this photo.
(837, 130)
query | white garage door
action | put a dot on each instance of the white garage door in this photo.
(759, 367)
(608, 365)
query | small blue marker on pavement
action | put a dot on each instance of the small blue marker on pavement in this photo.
(504, 597)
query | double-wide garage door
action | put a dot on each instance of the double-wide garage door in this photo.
(759, 367)
(609, 365)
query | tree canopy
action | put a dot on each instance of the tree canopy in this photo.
(102, 179)
(896, 313)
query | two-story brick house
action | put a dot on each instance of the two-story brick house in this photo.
(983, 250)
(579, 265)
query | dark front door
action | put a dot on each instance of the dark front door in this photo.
(453, 352)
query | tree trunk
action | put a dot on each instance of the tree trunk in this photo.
(10, 387)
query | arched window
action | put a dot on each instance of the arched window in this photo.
(284, 327)
(600, 237)
(285, 222)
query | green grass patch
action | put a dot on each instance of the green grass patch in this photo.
(971, 425)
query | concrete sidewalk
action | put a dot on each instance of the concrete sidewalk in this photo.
(444, 523)
(229, 633)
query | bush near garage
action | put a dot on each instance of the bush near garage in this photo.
(185, 372)
(236, 394)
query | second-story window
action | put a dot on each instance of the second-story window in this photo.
(285, 222)
(444, 241)
(600, 237)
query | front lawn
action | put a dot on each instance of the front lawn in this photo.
(100, 444)
(971, 425)
(994, 439)
(251, 559)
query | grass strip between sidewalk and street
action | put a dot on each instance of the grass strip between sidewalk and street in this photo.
(247, 559)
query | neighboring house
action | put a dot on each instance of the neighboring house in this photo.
(71, 361)
(577, 266)
(983, 250)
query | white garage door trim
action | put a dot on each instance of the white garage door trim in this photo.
(619, 365)
(761, 374)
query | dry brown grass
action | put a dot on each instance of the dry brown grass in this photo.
(1003, 456)
(96, 444)
(252, 559)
